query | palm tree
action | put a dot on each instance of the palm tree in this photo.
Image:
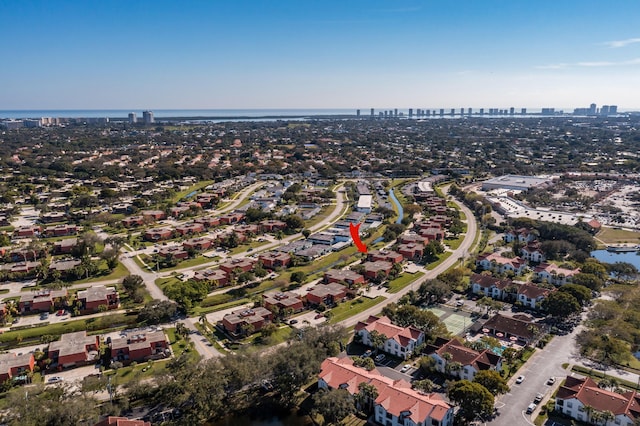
(454, 368)
(590, 411)
(367, 394)
(607, 416)
(377, 339)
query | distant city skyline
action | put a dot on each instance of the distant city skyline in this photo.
(305, 55)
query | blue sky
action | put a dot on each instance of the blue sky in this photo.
(157, 54)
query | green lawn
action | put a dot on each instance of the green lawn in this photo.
(455, 243)
(617, 236)
(206, 309)
(244, 247)
(403, 280)
(352, 307)
(442, 258)
(257, 342)
(97, 325)
(196, 261)
(119, 272)
(198, 186)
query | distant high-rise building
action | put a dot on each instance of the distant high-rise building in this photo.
(147, 117)
(357, 113)
(481, 111)
(31, 122)
(613, 109)
(523, 111)
(133, 118)
(469, 111)
(395, 112)
(372, 111)
(592, 109)
(604, 110)
(453, 111)
(552, 111)
(441, 111)
(461, 111)
(410, 112)
(428, 113)
(512, 111)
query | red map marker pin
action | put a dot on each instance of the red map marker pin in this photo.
(355, 234)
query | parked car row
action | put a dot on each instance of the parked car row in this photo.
(539, 396)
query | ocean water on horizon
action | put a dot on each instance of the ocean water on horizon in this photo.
(161, 113)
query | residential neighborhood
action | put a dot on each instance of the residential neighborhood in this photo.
(114, 280)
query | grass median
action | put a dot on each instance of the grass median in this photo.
(352, 307)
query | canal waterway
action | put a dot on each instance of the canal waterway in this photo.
(398, 205)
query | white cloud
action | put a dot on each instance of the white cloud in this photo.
(615, 44)
(590, 64)
(553, 66)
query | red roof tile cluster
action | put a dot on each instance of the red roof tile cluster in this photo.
(395, 397)
(588, 393)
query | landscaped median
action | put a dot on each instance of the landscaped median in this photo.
(352, 307)
(95, 325)
(403, 280)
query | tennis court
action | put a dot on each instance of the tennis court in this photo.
(456, 323)
(438, 312)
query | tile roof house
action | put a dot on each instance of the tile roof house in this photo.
(343, 276)
(230, 218)
(26, 231)
(245, 264)
(41, 300)
(234, 322)
(411, 251)
(92, 298)
(329, 294)
(217, 276)
(385, 255)
(65, 246)
(272, 225)
(401, 341)
(518, 326)
(154, 214)
(371, 269)
(198, 244)
(208, 222)
(173, 252)
(554, 274)
(407, 238)
(140, 347)
(286, 300)
(121, 421)
(130, 221)
(190, 228)
(12, 365)
(523, 235)
(396, 404)
(497, 263)
(489, 286)
(533, 253)
(578, 393)
(471, 361)
(60, 230)
(273, 260)
(74, 349)
(531, 295)
(158, 234)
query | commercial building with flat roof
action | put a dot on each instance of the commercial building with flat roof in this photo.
(364, 203)
(515, 182)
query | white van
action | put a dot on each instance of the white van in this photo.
(530, 408)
